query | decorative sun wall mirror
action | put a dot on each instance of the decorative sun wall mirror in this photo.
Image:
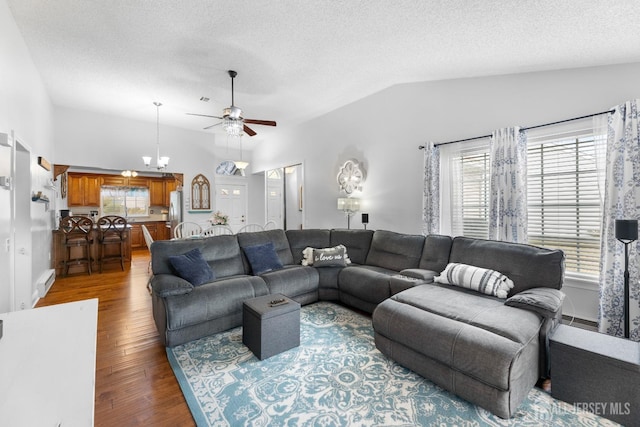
(351, 176)
(200, 193)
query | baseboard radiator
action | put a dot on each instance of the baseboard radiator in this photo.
(45, 282)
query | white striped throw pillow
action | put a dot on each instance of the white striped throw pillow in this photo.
(483, 280)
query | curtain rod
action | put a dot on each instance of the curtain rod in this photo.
(421, 147)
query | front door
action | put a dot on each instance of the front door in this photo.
(231, 200)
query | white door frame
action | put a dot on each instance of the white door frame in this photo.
(21, 254)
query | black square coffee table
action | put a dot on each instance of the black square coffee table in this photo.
(270, 325)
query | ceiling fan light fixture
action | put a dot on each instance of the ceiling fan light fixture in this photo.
(233, 127)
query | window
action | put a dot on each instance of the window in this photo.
(124, 201)
(470, 194)
(564, 199)
(564, 205)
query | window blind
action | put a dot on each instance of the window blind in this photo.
(563, 200)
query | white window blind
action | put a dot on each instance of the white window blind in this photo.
(564, 204)
(564, 207)
(470, 192)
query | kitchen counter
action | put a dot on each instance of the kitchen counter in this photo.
(59, 251)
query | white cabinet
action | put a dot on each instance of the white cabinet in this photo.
(48, 364)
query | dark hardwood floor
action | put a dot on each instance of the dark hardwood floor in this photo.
(135, 385)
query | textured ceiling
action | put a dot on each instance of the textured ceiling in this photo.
(298, 59)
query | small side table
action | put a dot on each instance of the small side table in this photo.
(270, 325)
(596, 372)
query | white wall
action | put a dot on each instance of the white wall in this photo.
(88, 139)
(26, 109)
(384, 130)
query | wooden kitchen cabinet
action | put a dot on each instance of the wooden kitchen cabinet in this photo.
(156, 192)
(138, 181)
(169, 186)
(159, 191)
(137, 239)
(114, 180)
(83, 189)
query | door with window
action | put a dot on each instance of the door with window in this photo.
(231, 200)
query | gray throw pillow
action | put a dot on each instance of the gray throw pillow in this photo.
(262, 258)
(544, 301)
(192, 267)
(329, 257)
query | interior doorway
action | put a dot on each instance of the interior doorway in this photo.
(21, 255)
(285, 196)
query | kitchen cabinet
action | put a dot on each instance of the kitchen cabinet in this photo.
(83, 189)
(156, 192)
(138, 182)
(159, 191)
(163, 231)
(170, 185)
(137, 239)
(116, 180)
(122, 181)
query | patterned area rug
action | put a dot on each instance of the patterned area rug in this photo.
(335, 378)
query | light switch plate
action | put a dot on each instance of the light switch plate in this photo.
(5, 182)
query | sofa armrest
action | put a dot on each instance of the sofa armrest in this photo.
(166, 285)
(418, 273)
(546, 302)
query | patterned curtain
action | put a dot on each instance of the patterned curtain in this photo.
(508, 185)
(431, 190)
(621, 201)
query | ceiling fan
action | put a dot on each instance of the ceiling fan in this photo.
(232, 120)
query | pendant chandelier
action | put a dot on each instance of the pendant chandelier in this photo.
(161, 162)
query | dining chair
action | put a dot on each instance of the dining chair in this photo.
(217, 230)
(186, 230)
(250, 228)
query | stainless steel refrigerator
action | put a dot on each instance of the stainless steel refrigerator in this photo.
(176, 209)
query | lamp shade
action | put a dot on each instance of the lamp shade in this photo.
(626, 229)
(349, 204)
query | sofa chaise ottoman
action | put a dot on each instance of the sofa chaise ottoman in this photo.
(475, 345)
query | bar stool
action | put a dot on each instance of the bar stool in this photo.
(112, 230)
(77, 234)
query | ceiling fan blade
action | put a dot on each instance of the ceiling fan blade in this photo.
(248, 130)
(209, 127)
(204, 115)
(260, 122)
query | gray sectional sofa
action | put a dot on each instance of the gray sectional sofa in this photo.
(488, 350)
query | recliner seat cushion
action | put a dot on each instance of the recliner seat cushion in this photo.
(292, 280)
(365, 282)
(213, 300)
(471, 333)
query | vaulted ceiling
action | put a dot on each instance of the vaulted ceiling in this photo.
(298, 59)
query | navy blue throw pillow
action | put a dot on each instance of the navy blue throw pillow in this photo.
(262, 258)
(192, 267)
